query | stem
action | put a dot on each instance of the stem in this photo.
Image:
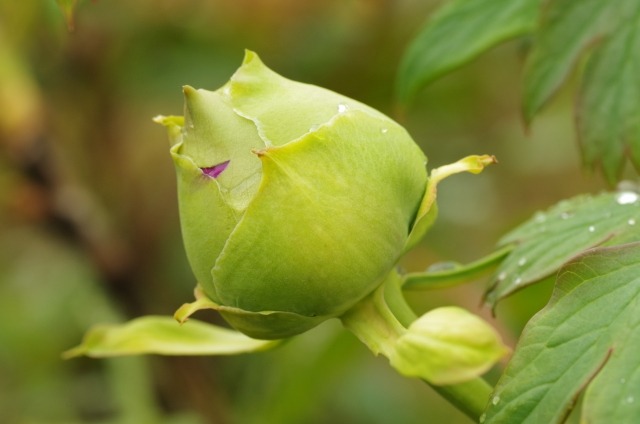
(470, 397)
(395, 299)
(374, 323)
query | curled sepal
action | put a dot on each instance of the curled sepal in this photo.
(447, 345)
(266, 325)
(428, 210)
(162, 335)
(202, 302)
(174, 125)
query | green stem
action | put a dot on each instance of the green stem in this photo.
(396, 301)
(470, 397)
(374, 323)
(382, 317)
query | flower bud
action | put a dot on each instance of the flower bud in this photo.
(447, 345)
(295, 202)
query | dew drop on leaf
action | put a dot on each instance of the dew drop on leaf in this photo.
(522, 261)
(495, 400)
(631, 221)
(566, 215)
(626, 198)
(592, 228)
(342, 108)
(443, 266)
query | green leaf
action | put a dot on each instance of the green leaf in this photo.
(164, 336)
(567, 29)
(549, 239)
(448, 274)
(459, 32)
(609, 101)
(586, 339)
(608, 108)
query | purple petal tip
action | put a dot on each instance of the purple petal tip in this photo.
(215, 170)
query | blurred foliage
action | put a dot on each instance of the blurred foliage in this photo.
(593, 39)
(88, 216)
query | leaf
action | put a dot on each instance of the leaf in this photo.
(459, 32)
(567, 29)
(549, 239)
(609, 101)
(608, 109)
(449, 274)
(586, 339)
(164, 336)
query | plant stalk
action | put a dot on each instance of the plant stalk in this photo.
(391, 315)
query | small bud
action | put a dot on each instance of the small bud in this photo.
(447, 345)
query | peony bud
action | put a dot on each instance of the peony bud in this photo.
(295, 202)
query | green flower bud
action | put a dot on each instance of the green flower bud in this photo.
(447, 345)
(295, 202)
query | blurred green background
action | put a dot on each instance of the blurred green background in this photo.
(89, 230)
